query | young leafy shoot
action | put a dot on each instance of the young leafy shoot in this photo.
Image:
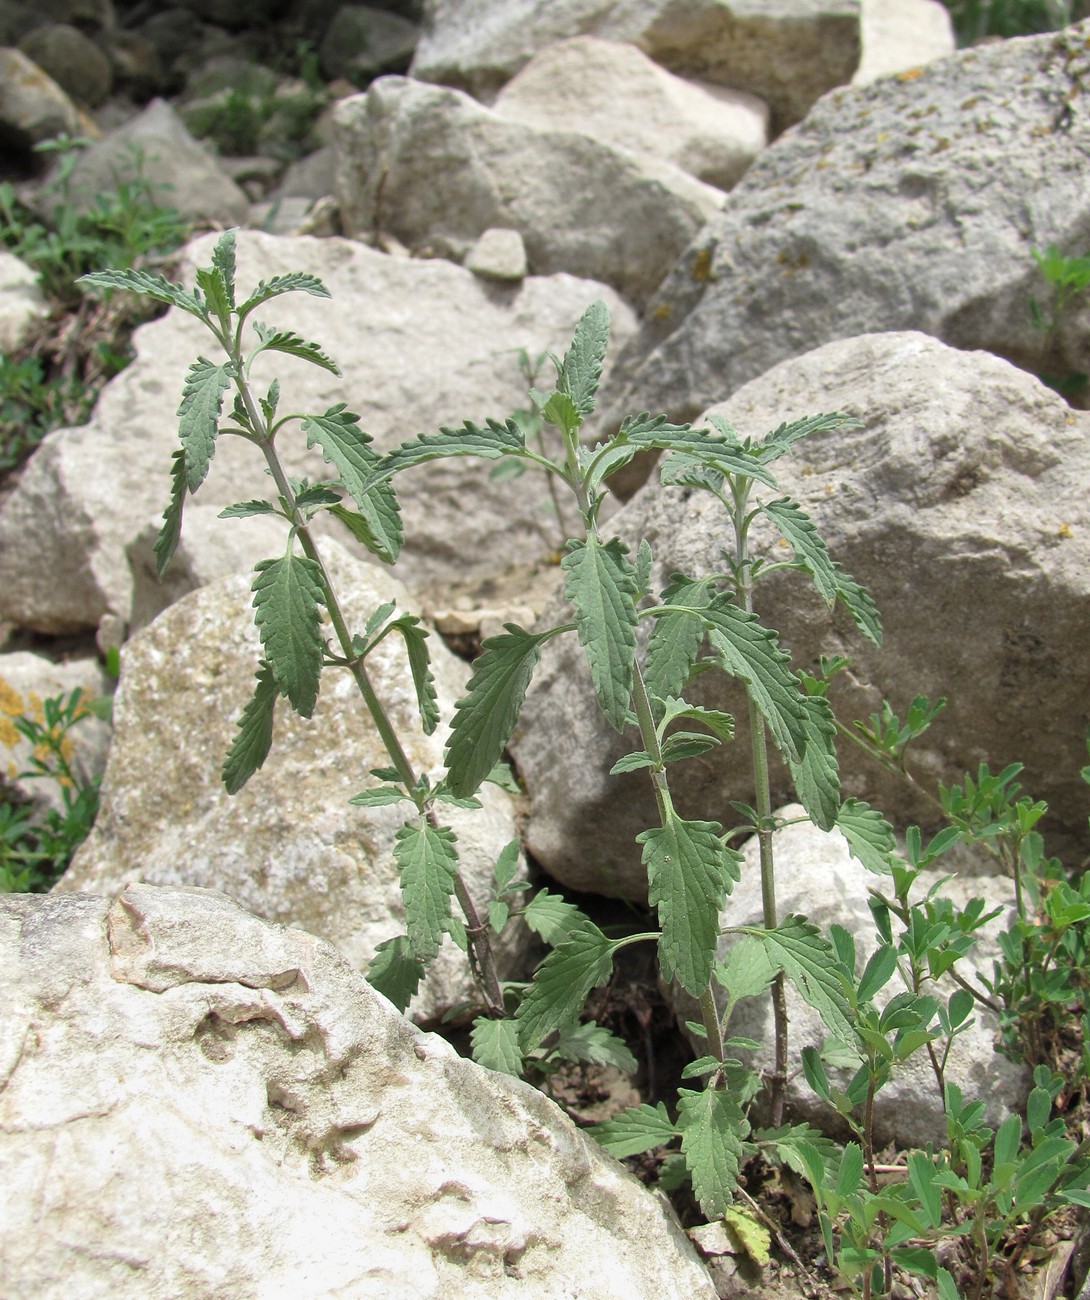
(428, 860)
(602, 588)
(287, 596)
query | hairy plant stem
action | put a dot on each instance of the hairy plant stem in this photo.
(481, 957)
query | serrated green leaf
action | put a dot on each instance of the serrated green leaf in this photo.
(223, 259)
(687, 744)
(702, 1066)
(560, 411)
(850, 1173)
(745, 971)
(690, 872)
(485, 717)
(816, 776)
(245, 509)
(877, 972)
(494, 1044)
(921, 1171)
(752, 653)
(316, 494)
(150, 284)
(251, 745)
(802, 1148)
(198, 416)
(345, 445)
(595, 1045)
(287, 596)
(270, 402)
(171, 531)
(552, 917)
(279, 284)
(676, 637)
(601, 586)
(294, 345)
(720, 724)
(712, 1129)
(507, 865)
(753, 1237)
(502, 776)
(416, 647)
(644, 560)
(869, 835)
(379, 796)
(562, 984)
(395, 971)
(810, 964)
(633, 762)
(428, 862)
(682, 466)
(783, 438)
(210, 282)
(635, 1130)
(490, 442)
(498, 913)
(581, 368)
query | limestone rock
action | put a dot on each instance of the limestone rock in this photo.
(961, 506)
(788, 53)
(421, 344)
(362, 42)
(434, 169)
(498, 255)
(615, 93)
(288, 846)
(33, 107)
(899, 35)
(72, 59)
(197, 1102)
(817, 877)
(911, 203)
(21, 300)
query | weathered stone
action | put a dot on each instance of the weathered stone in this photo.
(910, 203)
(615, 93)
(435, 170)
(788, 53)
(33, 107)
(181, 173)
(363, 42)
(817, 877)
(961, 506)
(288, 846)
(21, 300)
(498, 255)
(26, 680)
(72, 59)
(421, 344)
(197, 1102)
(902, 34)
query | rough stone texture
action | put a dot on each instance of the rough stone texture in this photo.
(21, 300)
(902, 34)
(817, 877)
(288, 846)
(788, 52)
(183, 174)
(434, 169)
(72, 59)
(910, 203)
(961, 505)
(498, 255)
(363, 42)
(421, 344)
(616, 94)
(26, 679)
(33, 107)
(199, 1103)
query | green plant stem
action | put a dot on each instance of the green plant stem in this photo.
(482, 957)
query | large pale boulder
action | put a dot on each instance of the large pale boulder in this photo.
(788, 52)
(420, 344)
(199, 1103)
(910, 203)
(288, 846)
(22, 302)
(817, 877)
(961, 505)
(899, 35)
(615, 93)
(434, 169)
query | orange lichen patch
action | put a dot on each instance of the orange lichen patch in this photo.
(9, 737)
(1065, 531)
(82, 705)
(11, 702)
(910, 74)
(663, 311)
(702, 266)
(34, 706)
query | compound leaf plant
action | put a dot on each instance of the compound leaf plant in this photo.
(697, 622)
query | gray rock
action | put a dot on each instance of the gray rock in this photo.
(73, 60)
(182, 174)
(87, 493)
(788, 53)
(498, 255)
(434, 169)
(902, 34)
(363, 42)
(910, 203)
(241, 1114)
(961, 506)
(21, 301)
(817, 877)
(616, 94)
(289, 846)
(311, 177)
(33, 107)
